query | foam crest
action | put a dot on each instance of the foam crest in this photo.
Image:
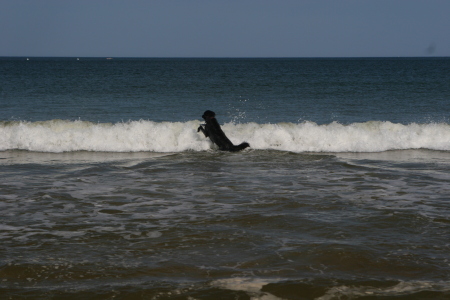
(135, 136)
(64, 136)
(373, 136)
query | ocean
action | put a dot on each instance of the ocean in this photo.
(107, 190)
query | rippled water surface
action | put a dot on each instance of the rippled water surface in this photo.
(213, 225)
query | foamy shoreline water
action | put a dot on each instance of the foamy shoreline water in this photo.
(135, 136)
(208, 224)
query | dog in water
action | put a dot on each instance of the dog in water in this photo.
(212, 130)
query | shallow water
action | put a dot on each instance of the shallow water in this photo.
(206, 225)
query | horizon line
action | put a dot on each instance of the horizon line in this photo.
(218, 57)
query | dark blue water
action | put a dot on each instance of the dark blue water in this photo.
(248, 90)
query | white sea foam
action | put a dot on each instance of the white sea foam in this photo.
(252, 286)
(135, 136)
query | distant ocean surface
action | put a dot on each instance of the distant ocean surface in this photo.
(107, 190)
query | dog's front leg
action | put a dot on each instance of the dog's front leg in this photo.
(200, 128)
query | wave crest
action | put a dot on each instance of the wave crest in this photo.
(135, 136)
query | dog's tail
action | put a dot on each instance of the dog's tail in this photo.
(240, 147)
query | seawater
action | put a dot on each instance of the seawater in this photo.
(108, 191)
(373, 136)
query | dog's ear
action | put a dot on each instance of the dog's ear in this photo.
(208, 114)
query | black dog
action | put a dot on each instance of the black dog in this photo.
(212, 130)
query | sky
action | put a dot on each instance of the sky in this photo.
(228, 28)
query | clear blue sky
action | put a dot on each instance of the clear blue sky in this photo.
(228, 28)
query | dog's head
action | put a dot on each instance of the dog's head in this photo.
(208, 114)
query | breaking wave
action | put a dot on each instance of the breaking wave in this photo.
(136, 136)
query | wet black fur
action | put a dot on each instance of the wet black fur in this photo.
(212, 130)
